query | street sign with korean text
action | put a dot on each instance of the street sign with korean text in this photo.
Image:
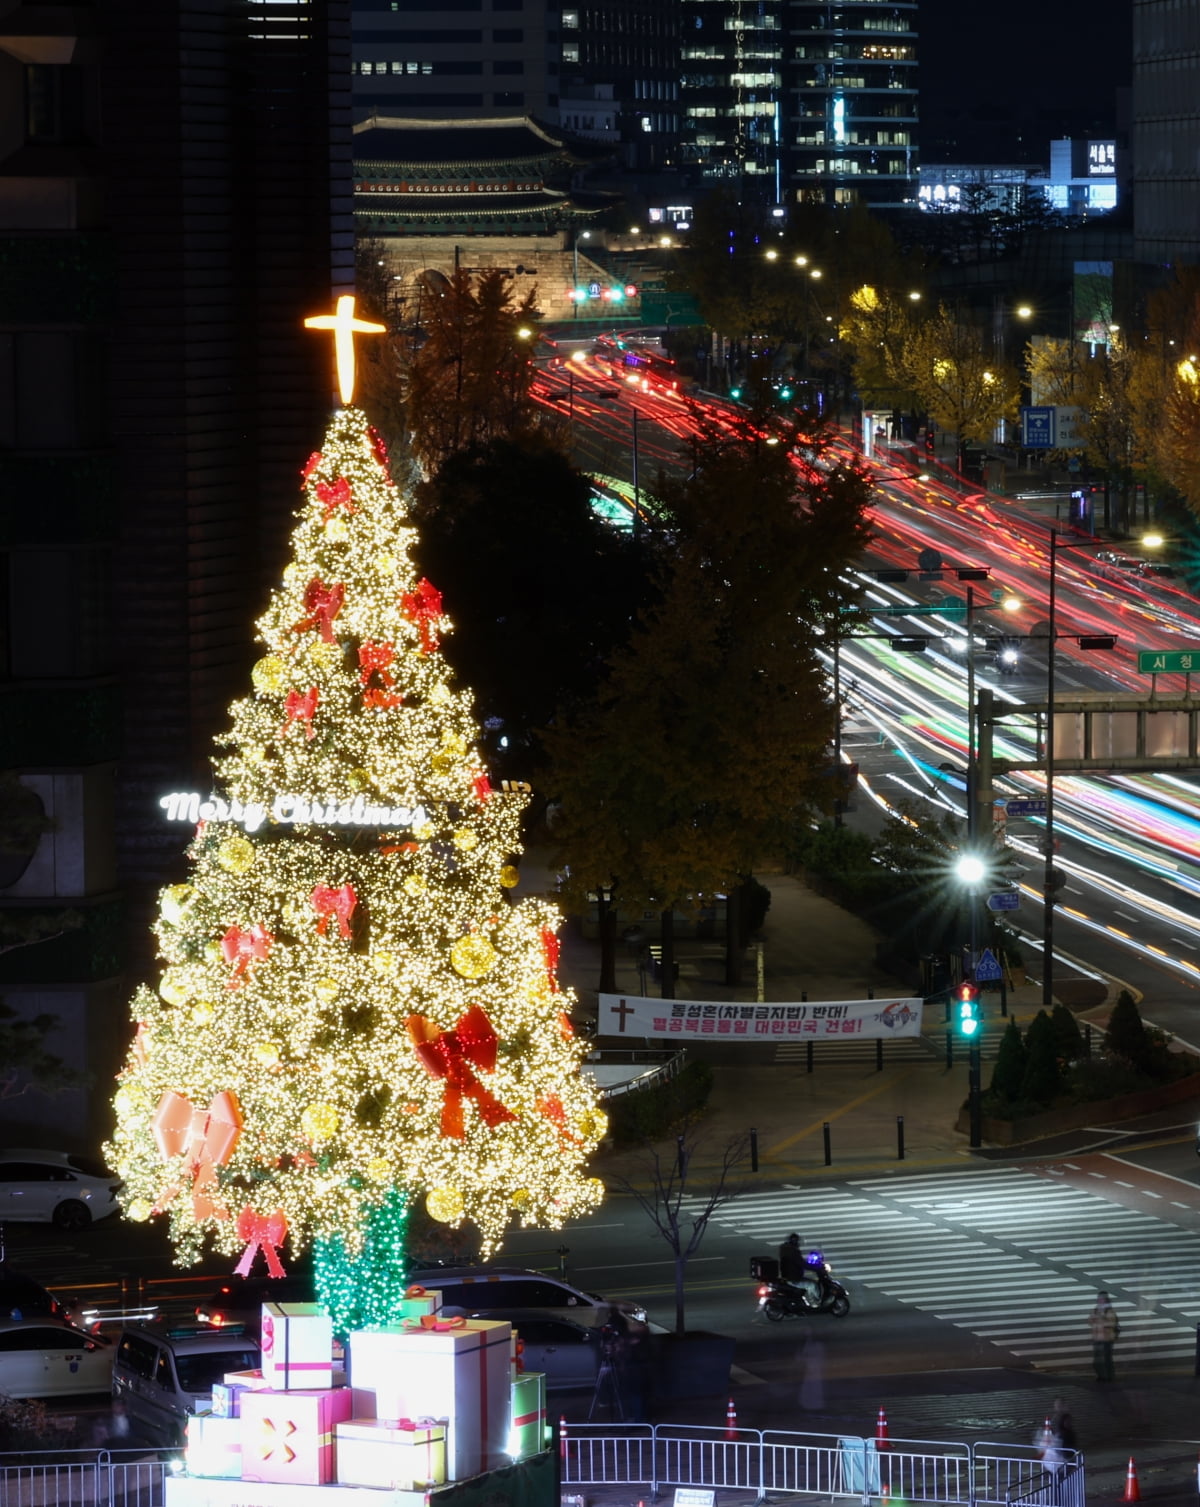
(1005, 900)
(987, 970)
(1026, 805)
(1037, 428)
(1169, 661)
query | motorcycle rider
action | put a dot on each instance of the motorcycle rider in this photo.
(796, 1272)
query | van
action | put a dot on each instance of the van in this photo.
(164, 1375)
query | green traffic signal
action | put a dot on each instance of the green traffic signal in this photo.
(967, 996)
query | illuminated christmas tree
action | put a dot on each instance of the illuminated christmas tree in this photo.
(351, 1011)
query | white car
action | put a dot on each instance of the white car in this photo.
(47, 1358)
(54, 1187)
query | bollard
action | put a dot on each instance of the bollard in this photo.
(879, 1054)
(808, 1056)
(804, 996)
(870, 994)
(949, 1048)
(753, 1149)
(947, 1009)
(828, 1144)
(900, 1143)
(562, 1252)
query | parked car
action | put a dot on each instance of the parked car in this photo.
(55, 1187)
(22, 1297)
(566, 1350)
(47, 1357)
(164, 1375)
(505, 1287)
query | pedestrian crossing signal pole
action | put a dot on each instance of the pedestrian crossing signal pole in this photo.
(966, 1017)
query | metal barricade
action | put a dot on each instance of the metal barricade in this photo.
(1058, 1488)
(812, 1464)
(81, 1478)
(607, 1454)
(925, 1470)
(1007, 1472)
(688, 1455)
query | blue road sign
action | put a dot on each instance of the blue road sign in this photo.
(987, 970)
(1005, 900)
(1037, 428)
(1025, 806)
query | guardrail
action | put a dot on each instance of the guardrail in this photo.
(668, 1066)
(82, 1478)
(775, 1462)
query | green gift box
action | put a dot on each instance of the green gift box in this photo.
(527, 1420)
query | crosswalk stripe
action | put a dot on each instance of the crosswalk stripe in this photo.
(958, 1244)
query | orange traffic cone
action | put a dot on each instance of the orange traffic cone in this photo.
(881, 1432)
(731, 1429)
(1132, 1494)
(562, 1436)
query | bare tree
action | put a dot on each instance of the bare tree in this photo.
(679, 1198)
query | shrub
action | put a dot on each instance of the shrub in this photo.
(649, 1114)
(1008, 1075)
(1126, 1036)
(756, 902)
(1066, 1033)
(1043, 1075)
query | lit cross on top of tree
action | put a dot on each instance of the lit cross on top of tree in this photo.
(344, 327)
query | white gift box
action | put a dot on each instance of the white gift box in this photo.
(405, 1454)
(297, 1347)
(460, 1373)
(214, 1446)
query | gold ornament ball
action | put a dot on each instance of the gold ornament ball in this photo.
(443, 763)
(595, 1188)
(265, 1052)
(255, 753)
(212, 952)
(424, 832)
(203, 1012)
(385, 963)
(465, 840)
(139, 1209)
(326, 990)
(440, 695)
(510, 876)
(174, 988)
(123, 1103)
(236, 855)
(385, 563)
(358, 780)
(324, 656)
(455, 745)
(177, 900)
(291, 572)
(472, 956)
(444, 1204)
(319, 1121)
(414, 884)
(269, 675)
(520, 1198)
(378, 1170)
(337, 530)
(593, 1124)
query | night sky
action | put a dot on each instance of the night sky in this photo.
(999, 78)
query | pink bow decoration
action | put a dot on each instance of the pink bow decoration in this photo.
(453, 1055)
(423, 607)
(322, 603)
(551, 947)
(334, 903)
(337, 495)
(301, 707)
(204, 1137)
(241, 948)
(261, 1232)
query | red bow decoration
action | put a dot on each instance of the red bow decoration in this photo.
(374, 659)
(261, 1232)
(311, 464)
(551, 1106)
(519, 1358)
(423, 607)
(334, 496)
(416, 1291)
(377, 444)
(565, 1029)
(337, 904)
(551, 947)
(432, 1323)
(241, 948)
(322, 603)
(482, 787)
(301, 706)
(407, 848)
(204, 1137)
(139, 1044)
(453, 1055)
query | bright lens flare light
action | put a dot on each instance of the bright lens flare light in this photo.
(970, 869)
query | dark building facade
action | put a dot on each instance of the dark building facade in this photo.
(1166, 131)
(175, 195)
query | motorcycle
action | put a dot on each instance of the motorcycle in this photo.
(781, 1300)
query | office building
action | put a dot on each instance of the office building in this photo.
(1166, 131)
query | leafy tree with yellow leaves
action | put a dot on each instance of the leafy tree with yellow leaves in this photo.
(351, 1010)
(964, 386)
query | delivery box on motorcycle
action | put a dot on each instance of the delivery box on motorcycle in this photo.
(764, 1268)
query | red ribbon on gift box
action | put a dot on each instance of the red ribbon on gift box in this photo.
(432, 1323)
(204, 1137)
(261, 1232)
(334, 904)
(453, 1056)
(241, 948)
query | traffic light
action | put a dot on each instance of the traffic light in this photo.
(966, 998)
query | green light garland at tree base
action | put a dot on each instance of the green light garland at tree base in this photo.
(363, 1290)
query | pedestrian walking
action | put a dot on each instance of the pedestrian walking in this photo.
(1064, 1425)
(1105, 1327)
